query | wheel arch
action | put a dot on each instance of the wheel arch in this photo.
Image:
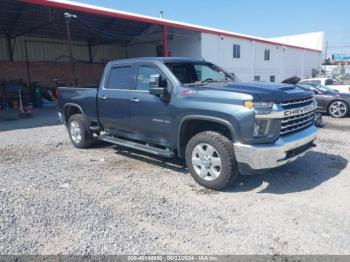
(71, 109)
(197, 123)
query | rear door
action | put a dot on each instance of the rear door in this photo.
(114, 99)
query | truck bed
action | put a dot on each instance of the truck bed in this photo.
(82, 96)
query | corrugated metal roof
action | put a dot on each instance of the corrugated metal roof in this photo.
(70, 5)
(21, 19)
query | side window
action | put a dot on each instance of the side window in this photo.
(267, 55)
(256, 78)
(316, 81)
(143, 75)
(236, 51)
(328, 82)
(121, 78)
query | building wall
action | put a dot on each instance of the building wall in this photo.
(54, 50)
(284, 61)
(313, 40)
(185, 44)
(219, 50)
(180, 43)
(49, 59)
(270, 68)
(141, 50)
(45, 72)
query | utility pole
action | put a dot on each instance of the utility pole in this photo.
(325, 59)
(68, 17)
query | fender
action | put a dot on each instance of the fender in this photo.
(207, 118)
(74, 105)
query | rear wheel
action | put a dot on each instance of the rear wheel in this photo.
(79, 132)
(338, 109)
(211, 161)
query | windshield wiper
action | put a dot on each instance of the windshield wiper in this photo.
(204, 81)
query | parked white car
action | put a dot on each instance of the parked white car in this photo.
(329, 82)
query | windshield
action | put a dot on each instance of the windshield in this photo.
(325, 88)
(198, 72)
(313, 86)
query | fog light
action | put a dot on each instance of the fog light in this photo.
(261, 127)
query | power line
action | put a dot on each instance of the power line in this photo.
(339, 46)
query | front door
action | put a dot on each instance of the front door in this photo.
(150, 115)
(114, 99)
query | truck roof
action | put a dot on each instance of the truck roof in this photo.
(161, 59)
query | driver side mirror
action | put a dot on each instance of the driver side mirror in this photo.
(157, 85)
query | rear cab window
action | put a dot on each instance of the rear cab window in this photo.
(121, 77)
(328, 82)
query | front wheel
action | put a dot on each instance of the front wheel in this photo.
(211, 161)
(79, 132)
(338, 109)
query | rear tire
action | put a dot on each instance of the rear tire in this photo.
(79, 133)
(211, 160)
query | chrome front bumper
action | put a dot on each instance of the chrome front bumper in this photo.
(286, 149)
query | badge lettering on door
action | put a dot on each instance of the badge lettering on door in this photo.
(164, 121)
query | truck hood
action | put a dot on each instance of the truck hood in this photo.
(259, 90)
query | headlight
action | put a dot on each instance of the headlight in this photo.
(261, 127)
(251, 104)
(263, 104)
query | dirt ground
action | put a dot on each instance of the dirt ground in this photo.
(56, 199)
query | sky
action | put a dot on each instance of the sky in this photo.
(264, 18)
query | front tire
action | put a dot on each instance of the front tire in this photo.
(79, 133)
(338, 109)
(211, 160)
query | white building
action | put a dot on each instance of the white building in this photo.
(248, 57)
(36, 49)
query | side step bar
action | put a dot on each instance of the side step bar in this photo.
(146, 148)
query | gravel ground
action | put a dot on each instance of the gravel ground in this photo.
(56, 199)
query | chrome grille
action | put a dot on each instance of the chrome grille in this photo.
(297, 102)
(299, 122)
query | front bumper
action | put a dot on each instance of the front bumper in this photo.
(286, 149)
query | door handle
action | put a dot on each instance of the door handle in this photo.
(103, 97)
(135, 100)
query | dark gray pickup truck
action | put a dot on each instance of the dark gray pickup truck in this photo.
(192, 109)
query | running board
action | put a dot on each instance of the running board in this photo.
(94, 128)
(146, 148)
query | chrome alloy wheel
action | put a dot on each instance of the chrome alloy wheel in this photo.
(75, 132)
(206, 161)
(338, 109)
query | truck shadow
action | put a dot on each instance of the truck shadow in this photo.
(304, 174)
(174, 164)
(41, 117)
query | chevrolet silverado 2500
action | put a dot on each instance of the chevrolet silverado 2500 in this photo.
(192, 109)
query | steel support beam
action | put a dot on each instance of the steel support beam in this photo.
(165, 41)
(9, 47)
(91, 60)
